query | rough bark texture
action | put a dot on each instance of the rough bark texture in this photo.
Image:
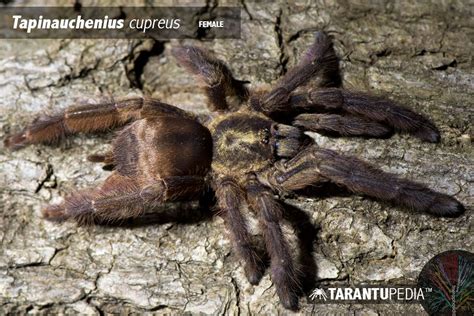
(419, 53)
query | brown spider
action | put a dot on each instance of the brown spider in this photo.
(245, 153)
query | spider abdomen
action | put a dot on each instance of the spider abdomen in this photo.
(163, 147)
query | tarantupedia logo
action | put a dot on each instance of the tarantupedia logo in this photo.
(445, 287)
(368, 294)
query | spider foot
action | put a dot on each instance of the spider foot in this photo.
(55, 212)
(16, 141)
(288, 298)
(446, 206)
(253, 273)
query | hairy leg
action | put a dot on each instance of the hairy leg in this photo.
(122, 197)
(214, 74)
(318, 165)
(230, 199)
(374, 108)
(89, 118)
(107, 159)
(344, 125)
(320, 59)
(282, 266)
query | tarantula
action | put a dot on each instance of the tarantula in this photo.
(247, 154)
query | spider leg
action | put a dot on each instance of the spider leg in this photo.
(216, 77)
(230, 198)
(89, 118)
(122, 197)
(315, 165)
(282, 266)
(106, 158)
(373, 108)
(344, 125)
(320, 59)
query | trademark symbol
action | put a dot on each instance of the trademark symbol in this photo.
(428, 289)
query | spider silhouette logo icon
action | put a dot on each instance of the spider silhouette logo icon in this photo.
(320, 294)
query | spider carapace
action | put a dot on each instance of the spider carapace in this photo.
(252, 150)
(246, 142)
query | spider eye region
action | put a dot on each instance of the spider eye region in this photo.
(241, 143)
